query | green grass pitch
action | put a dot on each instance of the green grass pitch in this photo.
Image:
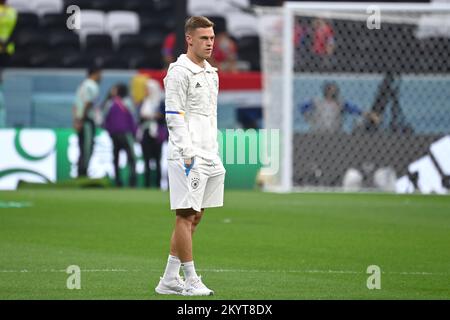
(258, 246)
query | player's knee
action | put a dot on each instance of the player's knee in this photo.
(185, 216)
(197, 219)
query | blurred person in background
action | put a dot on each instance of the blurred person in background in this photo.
(121, 126)
(224, 56)
(138, 88)
(150, 118)
(325, 114)
(323, 42)
(8, 20)
(168, 48)
(84, 113)
(323, 38)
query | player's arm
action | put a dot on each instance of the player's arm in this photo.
(176, 85)
(307, 107)
(89, 97)
(352, 108)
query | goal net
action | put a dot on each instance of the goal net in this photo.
(360, 94)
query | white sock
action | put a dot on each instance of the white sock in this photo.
(172, 268)
(189, 269)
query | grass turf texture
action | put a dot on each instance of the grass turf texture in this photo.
(259, 246)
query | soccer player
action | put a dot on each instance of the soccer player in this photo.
(196, 173)
(84, 124)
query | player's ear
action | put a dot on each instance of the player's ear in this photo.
(188, 39)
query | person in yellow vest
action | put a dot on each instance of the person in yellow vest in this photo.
(8, 19)
(138, 87)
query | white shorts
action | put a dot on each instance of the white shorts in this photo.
(203, 187)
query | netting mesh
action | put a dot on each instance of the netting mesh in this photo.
(368, 103)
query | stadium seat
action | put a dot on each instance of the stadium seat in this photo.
(266, 3)
(234, 6)
(131, 42)
(31, 49)
(107, 5)
(48, 6)
(220, 23)
(119, 22)
(27, 21)
(217, 7)
(92, 22)
(62, 44)
(20, 59)
(249, 50)
(137, 47)
(99, 43)
(163, 21)
(39, 59)
(152, 60)
(76, 60)
(22, 6)
(242, 24)
(204, 8)
(53, 21)
(131, 54)
(31, 40)
(163, 5)
(153, 40)
(112, 62)
(64, 41)
(83, 4)
(139, 6)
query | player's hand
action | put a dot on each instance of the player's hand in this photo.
(188, 164)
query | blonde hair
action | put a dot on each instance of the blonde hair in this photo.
(197, 22)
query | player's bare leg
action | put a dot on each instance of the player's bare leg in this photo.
(180, 250)
(198, 218)
(182, 235)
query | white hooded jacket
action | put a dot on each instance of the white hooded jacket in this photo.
(191, 109)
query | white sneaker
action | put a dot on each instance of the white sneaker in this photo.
(195, 287)
(174, 286)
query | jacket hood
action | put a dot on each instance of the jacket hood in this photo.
(187, 63)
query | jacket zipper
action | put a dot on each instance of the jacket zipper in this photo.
(209, 90)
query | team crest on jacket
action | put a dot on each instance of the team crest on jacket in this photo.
(195, 182)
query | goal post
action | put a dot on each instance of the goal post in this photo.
(390, 65)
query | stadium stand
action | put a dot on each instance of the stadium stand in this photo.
(142, 25)
(22, 6)
(248, 50)
(48, 6)
(92, 21)
(119, 22)
(107, 5)
(152, 20)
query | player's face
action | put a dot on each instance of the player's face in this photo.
(97, 77)
(201, 42)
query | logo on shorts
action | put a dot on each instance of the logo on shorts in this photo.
(195, 182)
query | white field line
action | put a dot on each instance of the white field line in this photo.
(406, 273)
